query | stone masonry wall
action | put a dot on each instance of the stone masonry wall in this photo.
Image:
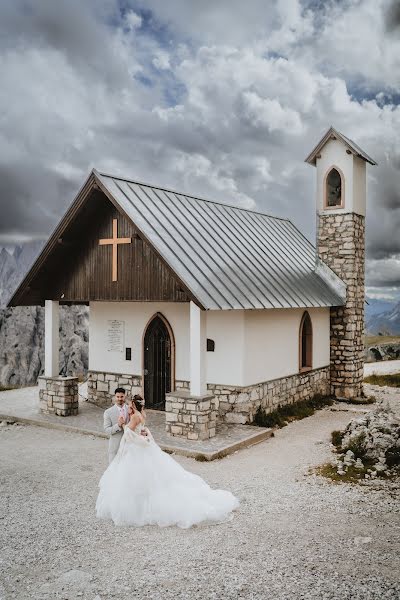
(234, 404)
(341, 245)
(58, 395)
(101, 386)
(188, 417)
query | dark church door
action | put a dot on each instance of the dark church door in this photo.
(157, 364)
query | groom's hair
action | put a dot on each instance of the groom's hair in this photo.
(120, 391)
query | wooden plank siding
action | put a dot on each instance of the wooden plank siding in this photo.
(79, 269)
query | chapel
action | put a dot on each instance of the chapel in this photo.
(207, 309)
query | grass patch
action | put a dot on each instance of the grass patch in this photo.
(373, 340)
(352, 475)
(283, 415)
(4, 388)
(390, 380)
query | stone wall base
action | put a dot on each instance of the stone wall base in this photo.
(228, 404)
(101, 386)
(58, 395)
(190, 417)
(235, 404)
(239, 405)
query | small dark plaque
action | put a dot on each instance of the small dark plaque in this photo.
(128, 353)
(210, 345)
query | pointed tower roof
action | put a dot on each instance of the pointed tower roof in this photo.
(332, 133)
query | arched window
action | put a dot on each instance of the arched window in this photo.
(305, 343)
(333, 191)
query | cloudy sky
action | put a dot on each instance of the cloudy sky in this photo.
(220, 99)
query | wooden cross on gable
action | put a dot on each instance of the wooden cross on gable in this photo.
(115, 240)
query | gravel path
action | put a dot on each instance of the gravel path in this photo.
(295, 535)
(384, 367)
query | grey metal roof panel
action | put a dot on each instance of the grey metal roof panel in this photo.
(228, 257)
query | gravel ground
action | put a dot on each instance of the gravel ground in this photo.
(385, 367)
(295, 535)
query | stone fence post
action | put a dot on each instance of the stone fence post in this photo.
(190, 417)
(58, 395)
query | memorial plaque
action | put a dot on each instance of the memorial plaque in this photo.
(115, 335)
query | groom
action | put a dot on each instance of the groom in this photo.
(115, 419)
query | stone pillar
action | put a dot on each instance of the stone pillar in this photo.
(58, 395)
(189, 417)
(198, 351)
(341, 245)
(51, 338)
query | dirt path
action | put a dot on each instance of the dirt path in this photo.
(294, 535)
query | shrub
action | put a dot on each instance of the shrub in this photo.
(337, 437)
(290, 412)
(357, 445)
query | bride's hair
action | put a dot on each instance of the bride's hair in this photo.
(138, 402)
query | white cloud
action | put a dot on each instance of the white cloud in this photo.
(133, 20)
(161, 60)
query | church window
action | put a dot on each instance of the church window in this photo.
(334, 192)
(305, 342)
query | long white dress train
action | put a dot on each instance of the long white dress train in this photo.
(145, 486)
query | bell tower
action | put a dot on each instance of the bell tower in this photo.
(341, 206)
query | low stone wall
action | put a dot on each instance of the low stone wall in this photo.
(240, 404)
(101, 386)
(58, 395)
(193, 418)
(229, 404)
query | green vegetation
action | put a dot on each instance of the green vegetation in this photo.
(373, 340)
(4, 388)
(337, 437)
(352, 475)
(283, 415)
(390, 380)
(357, 446)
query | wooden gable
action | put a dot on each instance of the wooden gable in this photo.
(75, 268)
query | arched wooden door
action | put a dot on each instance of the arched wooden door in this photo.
(157, 351)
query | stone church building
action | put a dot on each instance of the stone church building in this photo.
(207, 309)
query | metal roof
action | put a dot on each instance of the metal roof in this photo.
(311, 158)
(228, 257)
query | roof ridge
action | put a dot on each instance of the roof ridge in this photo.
(165, 189)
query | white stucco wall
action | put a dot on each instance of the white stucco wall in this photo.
(353, 169)
(136, 316)
(226, 364)
(250, 346)
(272, 342)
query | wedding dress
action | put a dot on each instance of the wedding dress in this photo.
(145, 486)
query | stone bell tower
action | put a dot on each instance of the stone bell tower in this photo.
(341, 204)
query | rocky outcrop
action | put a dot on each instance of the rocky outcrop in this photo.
(388, 351)
(22, 343)
(371, 445)
(22, 327)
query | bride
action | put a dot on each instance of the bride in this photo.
(145, 486)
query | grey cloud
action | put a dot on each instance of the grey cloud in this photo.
(392, 16)
(32, 200)
(209, 148)
(67, 26)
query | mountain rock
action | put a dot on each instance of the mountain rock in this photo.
(22, 343)
(387, 323)
(22, 327)
(376, 306)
